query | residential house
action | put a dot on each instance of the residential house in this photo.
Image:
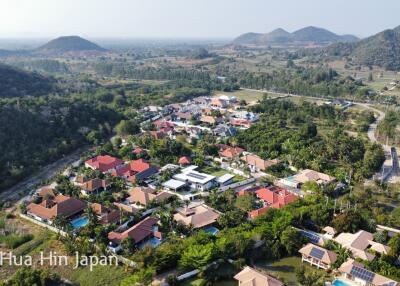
(196, 180)
(224, 130)
(104, 163)
(141, 232)
(356, 272)
(94, 186)
(307, 175)
(318, 256)
(130, 209)
(139, 151)
(329, 232)
(360, 243)
(46, 192)
(231, 153)
(272, 197)
(244, 114)
(225, 179)
(143, 196)
(135, 171)
(257, 164)
(105, 215)
(252, 277)
(211, 120)
(59, 206)
(184, 161)
(243, 123)
(182, 116)
(219, 102)
(196, 216)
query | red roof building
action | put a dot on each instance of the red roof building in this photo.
(276, 197)
(185, 160)
(136, 170)
(104, 163)
(273, 197)
(231, 152)
(241, 122)
(139, 232)
(138, 151)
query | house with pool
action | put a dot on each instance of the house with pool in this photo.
(198, 216)
(143, 233)
(354, 273)
(58, 206)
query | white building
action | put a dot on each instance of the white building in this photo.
(196, 180)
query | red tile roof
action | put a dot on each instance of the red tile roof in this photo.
(276, 197)
(185, 160)
(231, 152)
(133, 168)
(138, 232)
(60, 206)
(104, 163)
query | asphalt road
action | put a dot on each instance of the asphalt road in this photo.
(23, 188)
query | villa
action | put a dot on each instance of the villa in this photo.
(251, 277)
(356, 272)
(105, 215)
(141, 232)
(104, 163)
(360, 243)
(135, 171)
(196, 216)
(143, 196)
(307, 175)
(94, 186)
(196, 180)
(318, 256)
(58, 206)
(257, 164)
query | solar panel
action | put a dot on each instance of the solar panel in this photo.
(317, 253)
(197, 176)
(362, 273)
(311, 236)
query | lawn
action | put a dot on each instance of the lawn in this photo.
(285, 269)
(218, 172)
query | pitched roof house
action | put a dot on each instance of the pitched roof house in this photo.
(60, 205)
(185, 160)
(318, 256)
(356, 272)
(94, 186)
(46, 192)
(359, 243)
(231, 152)
(251, 277)
(136, 170)
(256, 163)
(139, 232)
(196, 216)
(209, 119)
(311, 175)
(105, 215)
(143, 196)
(104, 163)
(275, 197)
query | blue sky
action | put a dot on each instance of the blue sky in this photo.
(190, 18)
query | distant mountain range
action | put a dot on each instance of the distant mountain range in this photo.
(382, 49)
(307, 36)
(61, 45)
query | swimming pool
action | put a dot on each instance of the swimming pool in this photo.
(79, 222)
(152, 242)
(339, 282)
(211, 229)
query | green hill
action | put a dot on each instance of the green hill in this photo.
(382, 49)
(17, 83)
(70, 44)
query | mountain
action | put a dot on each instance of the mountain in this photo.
(382, 49)
(16, 82)
(302, 37)
(69, 44)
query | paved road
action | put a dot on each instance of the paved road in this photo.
(24, 187)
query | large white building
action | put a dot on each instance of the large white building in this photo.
(196, 180)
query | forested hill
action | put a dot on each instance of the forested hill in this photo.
(18, 83)
(69, 44)
(382, 49)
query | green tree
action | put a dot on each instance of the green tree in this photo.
(197, 256)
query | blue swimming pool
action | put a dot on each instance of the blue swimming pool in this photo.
(152, 242)
(211, 229)
(339, 282)
(79, 222)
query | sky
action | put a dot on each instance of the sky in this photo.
(190, 18)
